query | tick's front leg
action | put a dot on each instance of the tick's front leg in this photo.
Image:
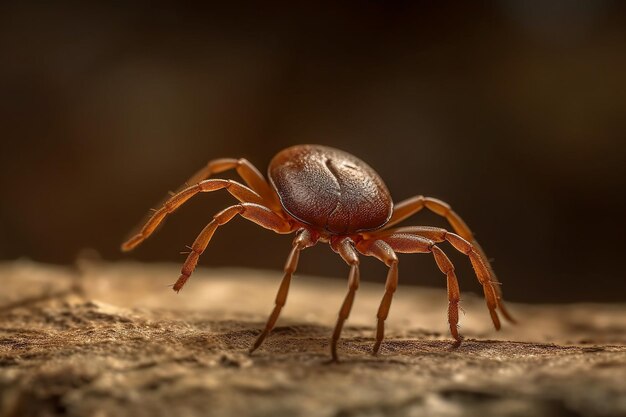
(303, 240)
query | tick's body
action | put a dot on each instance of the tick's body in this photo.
(330, 190)
(328, 195)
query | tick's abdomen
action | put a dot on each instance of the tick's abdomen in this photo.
(330, 189)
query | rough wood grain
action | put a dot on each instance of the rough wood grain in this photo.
(112, 340)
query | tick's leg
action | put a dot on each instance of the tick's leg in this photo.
(484, 274)
(246, 170)
(454, 294)
(303, 240)
(254, 212)
(405, 236)
(382, 251)
(408, 207)
(406, 243)
(345, 248)
(239, 191)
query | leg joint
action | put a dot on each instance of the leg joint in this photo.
(443, 262)
(226, 215)
(459, 243)
(392, 261)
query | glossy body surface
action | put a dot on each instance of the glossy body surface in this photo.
(327, 195)
(330, 189)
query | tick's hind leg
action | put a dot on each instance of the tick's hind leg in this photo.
(454, 294)
(407, 208)
(303, 240)
(346, 249)
(404, 236)
(383, 252)
(484, 276)
(405, 243)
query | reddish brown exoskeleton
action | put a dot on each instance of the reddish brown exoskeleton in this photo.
(327, 195)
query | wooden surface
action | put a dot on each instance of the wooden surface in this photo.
(105, 339)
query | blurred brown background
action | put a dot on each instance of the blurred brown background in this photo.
(513, 113)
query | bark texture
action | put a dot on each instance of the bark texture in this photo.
(104, 339)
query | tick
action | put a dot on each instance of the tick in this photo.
(328, 195)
